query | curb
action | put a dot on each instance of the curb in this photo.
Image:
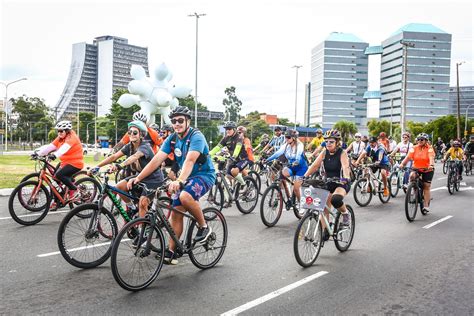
(6, 192)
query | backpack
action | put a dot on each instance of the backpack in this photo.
(202, 159)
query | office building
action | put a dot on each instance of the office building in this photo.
(466, 98)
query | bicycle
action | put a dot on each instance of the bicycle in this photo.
(468, 164)
(445, 167)
(273, 200)
(308, 239)
(35, 198)
(396, 180)
(51, 169)
(135, 267)
(364, 187)
(454, 178)
(414, 195)
(87, 242)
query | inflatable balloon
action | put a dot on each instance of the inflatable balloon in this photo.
(154, 95)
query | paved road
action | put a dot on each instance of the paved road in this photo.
(393, 267)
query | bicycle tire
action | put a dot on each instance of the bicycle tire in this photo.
(344, 236)
(214, 197)
(251, 195)
(271, 191)
(215, 244)
(123, 252)
(28, 218)
(257, 179)
(296, 207)
(88, 193)
(310, 233)
(451, 184)
(382, 198)
(394, 189)
(85, 250)
(411, 202)
(358, 187)
(445, 167)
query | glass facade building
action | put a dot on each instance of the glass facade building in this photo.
(466, 98)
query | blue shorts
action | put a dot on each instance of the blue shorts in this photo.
(195, 186)
(297, 171)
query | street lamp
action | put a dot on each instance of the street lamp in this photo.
(465, 123)
(78, 105)
(458, 123)
(196, 83)
(405, 45)
(5, 107)
(296, 90)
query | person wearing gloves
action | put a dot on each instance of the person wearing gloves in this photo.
(139, 153)
(68, 148)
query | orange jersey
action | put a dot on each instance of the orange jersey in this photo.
(386, 143)
(422, 156)
(249, 149)
(152, 135)
(74, 156)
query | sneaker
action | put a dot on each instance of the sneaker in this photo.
(53, 207)
(385, 192)
(170, 258)
(346, 219)
(202, 234)
(426, 210)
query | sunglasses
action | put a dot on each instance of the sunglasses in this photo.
(405, 136)
(61, 131)
(134, 133)
(330, 142)
(357, 137)
(180, 121)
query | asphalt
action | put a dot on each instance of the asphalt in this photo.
(393, 267)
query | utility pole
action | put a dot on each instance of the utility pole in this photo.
(458, 123)
(405, 71)
(296, 90)
(196, 79)
(391, 115)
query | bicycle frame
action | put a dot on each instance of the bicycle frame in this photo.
(371, 177)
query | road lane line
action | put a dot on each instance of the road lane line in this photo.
(50, 213)
(466, 189)
(272, 295)
(437, 189)
(442, 178)
(77, 249)
(437, 222)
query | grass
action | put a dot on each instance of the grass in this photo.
(13, 168)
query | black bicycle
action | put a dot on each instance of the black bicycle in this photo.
(86, 242)
(137, 262)
(454, 178)
(414, 196)
(468, 164)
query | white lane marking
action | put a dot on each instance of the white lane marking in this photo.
(440, 188)
(466, 189)
(442, 178)
(272, 295)
(463, 183)
(437, 222)
(49, 213)
(77, 249)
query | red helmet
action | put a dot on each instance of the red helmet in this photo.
(382, 134)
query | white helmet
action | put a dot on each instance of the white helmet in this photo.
(140, 116)
(357, 135)
(64, 125)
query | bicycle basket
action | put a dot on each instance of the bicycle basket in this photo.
(313, 198)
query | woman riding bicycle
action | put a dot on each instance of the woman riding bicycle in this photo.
(68, 148)
(455, 152)
(336, 165)
(241, 130)
(423, 156)
(293, 150)
(139, 153)
(402, 149)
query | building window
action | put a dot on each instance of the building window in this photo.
(434, 54)
(434, 45)
(433, 62)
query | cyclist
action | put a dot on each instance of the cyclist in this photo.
(248, 147)
(336, 165)
(316, 141)
(356, 147)
(235, 144)
(263, 142)
(139, 154)
(196, 177)
(455, 152)
(379, 156)
(152, 135)
(293, 150)
(422, 155)
(469, 148)
(402, 150)
(276, 142)
(68, 148)
(392, 144)
(169, 164)
(384, 141)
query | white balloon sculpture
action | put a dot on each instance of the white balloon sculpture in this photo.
(154, 96)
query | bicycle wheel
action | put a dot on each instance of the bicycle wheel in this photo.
(206, 255)
(394, 182)
(383, 199)
(451, 182)
(257, 179)
(86, 242)
(308, 239)
(135, 268)
(29, 203)
(411, 201)
(344, 234)
(362, 192)
(33, 176)
(271, 206)
(445, 167)
(457, 183)
(213, 198)
(89, 189)
(246, 196)
(296, 207)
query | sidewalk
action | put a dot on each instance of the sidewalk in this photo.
(6, 192)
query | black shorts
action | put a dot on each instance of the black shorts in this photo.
(150, 184)
(332, 186)
(381, 167)
(427, 176)
(241, 165)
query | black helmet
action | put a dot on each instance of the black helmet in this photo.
(180, 110)
(291, 133)
(277, 128)
(373, 139)
(168, 128)
(230, 125)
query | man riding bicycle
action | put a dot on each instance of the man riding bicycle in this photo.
(316, 141)
(423, 156)
(469, 148)
(276, 142)
(197, 175)
(356, 147)
(453, 153)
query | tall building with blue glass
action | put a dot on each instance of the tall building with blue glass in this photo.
(338, 80)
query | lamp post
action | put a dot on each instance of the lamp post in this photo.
(296, 90)
(80, 99)
(465, 123)
(197, 16)
(458, 123)
(405, 71)
(5, 107)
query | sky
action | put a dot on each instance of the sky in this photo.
(251, 45)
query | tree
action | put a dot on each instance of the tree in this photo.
(255, 126)
(118, 117)
(31, 117)
(415, 128)
(376, 127)
(232, 104)
(346, 128)
(286, 122)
